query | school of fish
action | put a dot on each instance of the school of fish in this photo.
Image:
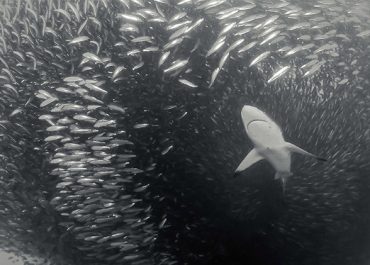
(116, 115)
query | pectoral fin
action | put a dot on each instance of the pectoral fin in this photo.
(252, 158)
(293, 148)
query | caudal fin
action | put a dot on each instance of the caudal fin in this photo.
(283, 176)
(293, 148)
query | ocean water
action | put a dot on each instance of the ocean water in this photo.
(121, 132)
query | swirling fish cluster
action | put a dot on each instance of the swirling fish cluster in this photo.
(109, 111)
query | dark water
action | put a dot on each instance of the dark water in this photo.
(141, 168)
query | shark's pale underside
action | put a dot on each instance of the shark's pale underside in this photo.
(269, 144)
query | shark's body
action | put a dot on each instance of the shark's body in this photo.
(269, 143)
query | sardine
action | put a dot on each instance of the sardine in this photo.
(279, 73)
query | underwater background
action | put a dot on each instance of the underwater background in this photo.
(120, 131)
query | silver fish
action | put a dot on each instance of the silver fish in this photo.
(135, 171)
(343, 81)
(129, 28)
(48, 101)
(178, 64)
(53, 138)
(184, 2)
(158, 20)
(227, 28)
(77, 130)
(267, 31)
(259, 58)
(247, 47)
(310, 63)
(211, 4)
(139, 3)
(223, 59)
(78, 40)
(304, 37)
(68, 107)
(141, 125)
(56, 128)
(324, 47)
(162, 223)
(92, 57)
(234, 45)
(214, 76)
(270, 37)
(163, 58)
(93, 99)
(195, 25)
(166, 150)
(270, 20)
(142, 39)
(279, 73)
(83, 25)
(64, 13)
(294, 50)
(116, 108)
(187, 83)
(65, 121)
(139, 65)
(173, 43)
(228, 14)
(131, 18)
(104, 123)
(117, 71)
(216, 46)
(301, 25)
(178, 25)
(313, 69)
(251, 18)
(364, 33)
(73, 79)
(178, 33)
(15, 112)
(248, 6)
(151, 49)
(95, 88)
(177, 17)
(243, 31)
(312, 12)
(85, 118)
(93, 107)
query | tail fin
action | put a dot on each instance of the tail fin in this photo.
(283, 184)
(283, 176)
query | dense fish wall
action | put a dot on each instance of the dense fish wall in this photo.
(120, 131)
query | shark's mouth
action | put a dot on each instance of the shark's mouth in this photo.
(264, 132)
(256, 120)
(258, 128)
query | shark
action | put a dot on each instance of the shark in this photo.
(269, 144)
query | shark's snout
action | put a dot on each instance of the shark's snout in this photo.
(250, 113)
(249, 110)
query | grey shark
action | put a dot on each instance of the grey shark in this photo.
(269, 144)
